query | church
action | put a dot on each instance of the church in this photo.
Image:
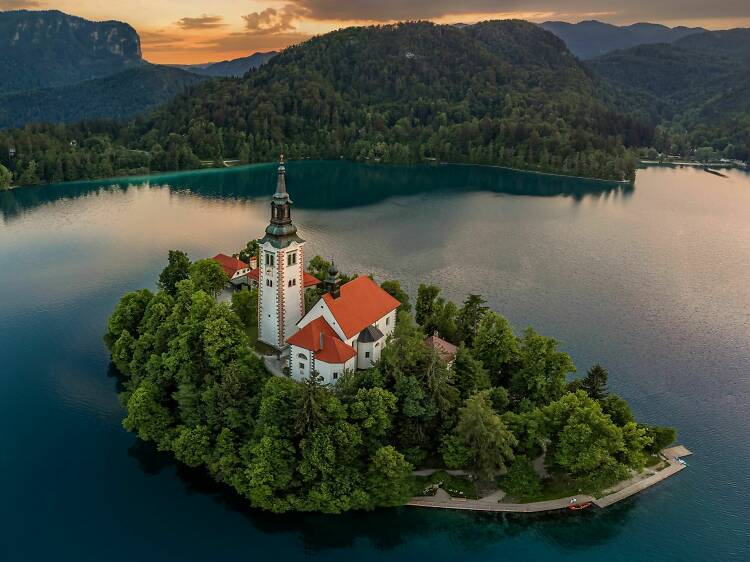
(345, 330)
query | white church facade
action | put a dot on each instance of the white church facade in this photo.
(345, 330)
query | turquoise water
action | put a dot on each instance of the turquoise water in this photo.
(651, 280)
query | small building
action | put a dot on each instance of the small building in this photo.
(345, 330)
(237, 272)
(445, 350)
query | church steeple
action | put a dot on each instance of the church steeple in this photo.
(281, 227)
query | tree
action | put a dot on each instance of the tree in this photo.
(661, 437)
(469, 316)
(245, 306)
(389, 478)
(394, 289)
(178, 269)
(595, 382)
(319, 267)
(310, 413)
(522, 480)
(617, 409)
(29, 174)
(496, 346)
(469, 373)
(373, 410)
(485, 435)
(148, 417)
(5, 177)
(541, 376)
(426, 295)
(249, 252)
(208, 276)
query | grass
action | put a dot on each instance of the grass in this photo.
(456, 486)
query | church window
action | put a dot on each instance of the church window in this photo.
(269, 259)
(301, 366)
(335, 376)
(302, 356)
(291, 258)
(387, 320)
(269, 283)
(367, 354)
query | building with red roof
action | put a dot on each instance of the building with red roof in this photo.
(345, 330)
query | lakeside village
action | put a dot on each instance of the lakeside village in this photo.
(314, 391)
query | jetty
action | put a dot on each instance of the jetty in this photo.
(494, 501)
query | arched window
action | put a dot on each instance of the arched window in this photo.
(302, 356)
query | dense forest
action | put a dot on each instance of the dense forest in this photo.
(191, 385)
(500, 92)
(696, 89)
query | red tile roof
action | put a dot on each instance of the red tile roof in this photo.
(333, 351)
(309, 280)
(362, 302)
(254, 275)
(229, 264)
(446, 350)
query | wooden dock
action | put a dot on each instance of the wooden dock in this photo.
(494, 503)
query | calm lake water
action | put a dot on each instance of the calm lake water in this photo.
(651, 280)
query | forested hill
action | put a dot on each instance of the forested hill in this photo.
(698, 87)
(118, 96)
(49, 48)
(501, 92)
(589, 39)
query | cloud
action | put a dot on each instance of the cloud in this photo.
(271, 20)
(18, 4)
(203, 22)
(391, 10)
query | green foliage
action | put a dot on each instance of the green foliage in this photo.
(177, 269)
(469, 317)
(249, 252)
(470, 375)
(496, 346)
(595, 382)
(483, 432)
(521, 480)
(207, 275)
(394, 289)
(425, 307)
(661, 437)
(192, 386)
(5, 177)
(541, 375)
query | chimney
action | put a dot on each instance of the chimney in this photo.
(321, 341)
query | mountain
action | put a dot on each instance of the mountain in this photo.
(500, 92)
(589, 39)
(234, 68)
(117, 96)
(699, 83)
(40, 49)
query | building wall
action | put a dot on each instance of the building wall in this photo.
(281, 305)
(328, 370)
(300, 361)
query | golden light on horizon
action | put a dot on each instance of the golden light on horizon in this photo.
(198, 31)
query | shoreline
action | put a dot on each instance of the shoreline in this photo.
(425, 163)
(616, 493)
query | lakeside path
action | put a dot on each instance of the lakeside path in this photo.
(623, 490)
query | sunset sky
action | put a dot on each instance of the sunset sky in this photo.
(193, 31)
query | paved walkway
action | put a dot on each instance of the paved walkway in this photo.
(493, 502)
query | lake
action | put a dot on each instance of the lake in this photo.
(652, 280)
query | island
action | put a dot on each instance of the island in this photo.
(325, 392)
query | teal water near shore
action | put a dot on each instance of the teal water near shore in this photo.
(652, 280)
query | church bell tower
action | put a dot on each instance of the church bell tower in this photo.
(281, 298)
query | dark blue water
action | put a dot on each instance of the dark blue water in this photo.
(653, 281)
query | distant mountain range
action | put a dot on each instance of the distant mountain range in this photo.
(234, 68)
(589, 39)
(699, 81)
(50, 48)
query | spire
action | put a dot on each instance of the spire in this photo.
(331, 284)
(281, 181)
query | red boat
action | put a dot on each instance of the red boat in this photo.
(579, 506)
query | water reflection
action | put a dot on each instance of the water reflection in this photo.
(327, 185)
(388, 529)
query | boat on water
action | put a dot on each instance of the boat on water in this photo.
(579, 506)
